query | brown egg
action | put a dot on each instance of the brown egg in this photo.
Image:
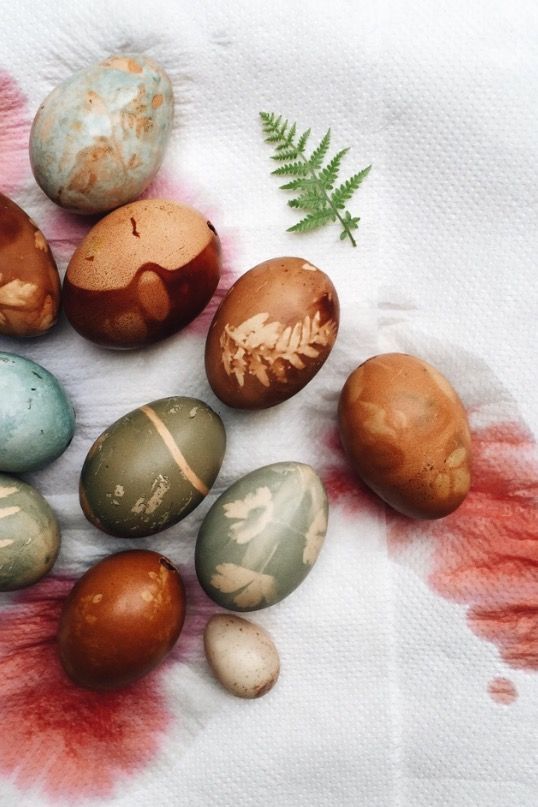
(121, 619)
(29, 282)
(272, 333)
(141, 274)
(406, 434)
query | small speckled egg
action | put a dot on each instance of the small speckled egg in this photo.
(141, 274)
(272, 333)
(242, 655)
(262, 536)
(121, 619)
(29, 282)
(37, 419)
(99, 138)
(29, 535)
(152, 467)
(406, 434)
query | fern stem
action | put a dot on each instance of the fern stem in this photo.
(328, 199)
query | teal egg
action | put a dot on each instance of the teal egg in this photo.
(37, 419)
(29, 535)
(99, 138)
(260, 538)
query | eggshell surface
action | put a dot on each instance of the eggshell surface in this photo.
(406, 434)
(29, 535)
(272, 333)
(37, 420)
(121, 619)
(242, 655)
(152, 467)
(29, 281)
(99, 138)
(262, 536)
(141, 274)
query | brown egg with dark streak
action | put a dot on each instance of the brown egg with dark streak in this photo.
(121, 619)
(29, 282)
(272, 333)
(406, 434)
(141, 274)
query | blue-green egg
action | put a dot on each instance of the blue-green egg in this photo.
(29, 535)
(37, 420)
(262, 536)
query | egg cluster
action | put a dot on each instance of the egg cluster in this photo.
(142, 273)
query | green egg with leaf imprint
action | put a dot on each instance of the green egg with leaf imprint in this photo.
(152, 467)
(262, 536)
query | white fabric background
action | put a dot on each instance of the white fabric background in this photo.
(382, 700)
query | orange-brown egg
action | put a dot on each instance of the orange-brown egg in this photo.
(121, 619)
(406, 434)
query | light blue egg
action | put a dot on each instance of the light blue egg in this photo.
(37, 420)
(99, 138)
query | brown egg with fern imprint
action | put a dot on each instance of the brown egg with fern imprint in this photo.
(272, 333)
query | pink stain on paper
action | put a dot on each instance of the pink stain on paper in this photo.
(14, 134)
(69, 741)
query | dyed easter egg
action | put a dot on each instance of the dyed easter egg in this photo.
(121, 619)
(29, 282)
(99, 138)
(152, 467)
(37, 420)
(406, 434)
(271, 333)
(141, 274)
(241, 655)
(29, 535)
(262, 536)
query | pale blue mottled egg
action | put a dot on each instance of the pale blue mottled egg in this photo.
(37, 419)
(262, 536)
(29, 534)
(99, 138)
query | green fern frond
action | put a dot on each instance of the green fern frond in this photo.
(314, 181)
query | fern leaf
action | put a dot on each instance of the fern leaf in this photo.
(312, 222)
(345, 191)
(318, 155)
(302, 141)
(291, 170)
(287, 154)
(298, 184)
(329, 174)
(308, 201)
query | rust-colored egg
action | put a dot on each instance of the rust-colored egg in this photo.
(141, 274)
(29, 281)
(272, 333)
(121, 619)
(406, 434)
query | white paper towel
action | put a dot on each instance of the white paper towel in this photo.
(383, 697)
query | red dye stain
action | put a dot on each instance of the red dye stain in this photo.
(14, 133)
(502, 691)
(69, 741)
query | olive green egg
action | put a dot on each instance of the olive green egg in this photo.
(29, 534)
(152, 467)
(260, 538)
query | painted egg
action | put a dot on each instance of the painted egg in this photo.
(29, 282)
(406, 434)
(141, 274)
(29, 535)
(99, 138)
(271, 333)
(152, 467)
(121, 619)
(242, 655)
(37, 420)
(260, 538)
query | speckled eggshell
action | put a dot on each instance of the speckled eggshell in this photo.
(406, 434)
(241, 655)
(121, 619)
(99, 138)
(141, 274)
(29, 535)
(272, 333)
(152, 467)
(262, 536)
(29, 282)
(37, 420)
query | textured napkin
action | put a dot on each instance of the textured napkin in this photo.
(409, 655)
